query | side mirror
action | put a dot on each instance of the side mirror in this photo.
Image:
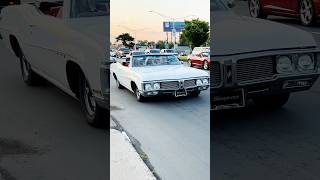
(231, 3)
(125, 63)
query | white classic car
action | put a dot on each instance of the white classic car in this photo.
(64, 42)
(258, 60)
(152, 75)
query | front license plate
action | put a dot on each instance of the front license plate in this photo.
(181, 92)
(229, 100)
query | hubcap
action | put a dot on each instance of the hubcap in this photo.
(205, 66)
(89, 100)
(254, 8)
(306, 11)
(138, 94)
(189, 63)
(25, 68)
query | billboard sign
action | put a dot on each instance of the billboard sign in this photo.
(168, 26)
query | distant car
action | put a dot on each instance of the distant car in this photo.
(152, 51)
(112, 52)
(4, 3)
(308, 11)
(266, 64)
(113, 59)
(159, 74)
(122, 52)
(201, 60)
(69, 50)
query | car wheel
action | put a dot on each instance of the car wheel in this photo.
(118, 83)
(28, 75)
(255, 9)
(205, 65)
(95, 115)
(272, 101)
(139, 96)
(306, 12)
(189, 63)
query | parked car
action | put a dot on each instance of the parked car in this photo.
(201, 60)
(307, 11)
(259, 60)
(152, 51)
(122, 52)
(159, 74)
(69, 50)
(4, 3)
(113, 53)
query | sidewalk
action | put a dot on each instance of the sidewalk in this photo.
(125, 162)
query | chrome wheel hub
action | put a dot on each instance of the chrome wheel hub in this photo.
(306, 11)
(254, 8)
(89, 100)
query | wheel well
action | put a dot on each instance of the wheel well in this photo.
(133, 86)
(73, 71)
(14, 45)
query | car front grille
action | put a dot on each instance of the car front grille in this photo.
(215, 72)
(189, 83)
(169, 85)
(248, 70)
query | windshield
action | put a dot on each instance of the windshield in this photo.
(154, 51)
(142, 61)
(137, 53)
(206, 54)
(218, 5)
(89, 8)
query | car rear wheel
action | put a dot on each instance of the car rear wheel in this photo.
(272, 101)
(28, 75)
(205, 65)
(95, 115)
(306, 12)
(118, 82)
(255, 9)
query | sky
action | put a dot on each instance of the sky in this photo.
(132, 15)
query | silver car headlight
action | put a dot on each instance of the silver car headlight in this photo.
(156, 86)
(205, 82)
(148, 87)
(199, 82)
(284, 64)
(305, 63)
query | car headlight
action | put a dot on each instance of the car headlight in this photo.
(148, 87)
(156, 86)
(284, 64)
(199, 82)
(305, 63)
(205, 81)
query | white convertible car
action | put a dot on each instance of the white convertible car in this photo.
(64, 42)
(152, 75)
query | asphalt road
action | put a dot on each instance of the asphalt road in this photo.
(43, 134)
(278, 145)
(174, 133)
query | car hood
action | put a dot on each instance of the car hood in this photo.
(169, 72)
(234, 34)
(94, 28)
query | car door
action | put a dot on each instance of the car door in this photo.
(43, 43)
(123, 74)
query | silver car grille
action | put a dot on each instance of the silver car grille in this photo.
(169, 85)
(215, 74)
(248, 70)
(189, 83)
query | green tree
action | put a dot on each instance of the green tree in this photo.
(196, 32)
(143, 43)
(126, 40)
(183, 40)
